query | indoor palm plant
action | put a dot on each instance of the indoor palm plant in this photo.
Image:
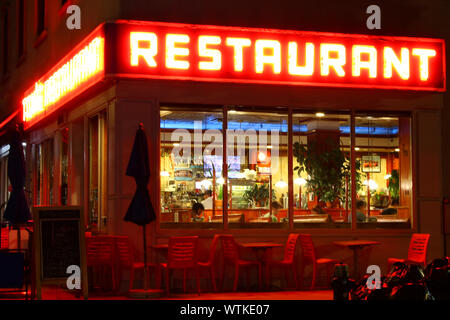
(393, 186)
(327, 171)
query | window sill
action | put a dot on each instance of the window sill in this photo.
(40, 39)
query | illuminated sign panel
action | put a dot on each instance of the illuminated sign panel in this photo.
(157, 50)
(229, 54)
(76, 72)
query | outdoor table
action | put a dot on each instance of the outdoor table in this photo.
(356, 246)
(262, 250)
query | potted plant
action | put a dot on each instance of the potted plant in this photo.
(257, 194)
(327, 171)
(393, 187)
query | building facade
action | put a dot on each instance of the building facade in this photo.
(230, 136)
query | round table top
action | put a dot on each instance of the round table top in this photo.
(356, 243)
(260, 245)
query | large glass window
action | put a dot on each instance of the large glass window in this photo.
(98, 214)
(383, 147)
(64, 188)
(321, 180)
(273, 154)
(257, 165)
(44, 173)
(192, 180)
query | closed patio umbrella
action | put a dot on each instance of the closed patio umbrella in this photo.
(140, 211)
(17, 210)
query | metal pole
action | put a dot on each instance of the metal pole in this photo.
(353, 167)
(145, 257)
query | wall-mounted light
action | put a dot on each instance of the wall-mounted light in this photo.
(300, 181)
(356, 149)
(397, 149)
(221, 180)
(281, 184)
(262, 156)
(165, 174)
(320, 114)
(372, 184)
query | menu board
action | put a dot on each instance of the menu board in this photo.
(59, 242)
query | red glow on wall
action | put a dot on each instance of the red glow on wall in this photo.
(246, 55)
(73, 74)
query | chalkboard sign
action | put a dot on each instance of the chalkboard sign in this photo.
(60, 243)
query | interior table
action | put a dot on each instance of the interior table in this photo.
(263, 252)
(356, 246)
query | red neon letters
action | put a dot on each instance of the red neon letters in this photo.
(158, 50)
(66, 78)
(228, 54)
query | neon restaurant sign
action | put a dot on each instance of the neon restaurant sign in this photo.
(157, 50)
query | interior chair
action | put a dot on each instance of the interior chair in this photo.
(210, 263)
(231, 257)
(417, 252)
(309, 256)
(127, 261)
(288, 262)
(182, 254)
(100, 253)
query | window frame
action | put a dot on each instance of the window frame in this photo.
(102, 170)
(353, 229)
(40, 34)
(21, 38)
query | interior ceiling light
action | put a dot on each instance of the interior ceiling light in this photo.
(281, 184)
(320, 114)
(262, 157)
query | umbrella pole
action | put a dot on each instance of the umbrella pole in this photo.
(145, 257)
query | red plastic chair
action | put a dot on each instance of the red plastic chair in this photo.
(288, 261)
(100, 252)
(231, 257)
(4, 242)
(182, 254)
(417, 252)
(210, 263)
(127, 260)
(309, 257)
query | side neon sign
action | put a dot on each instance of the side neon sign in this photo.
(74, 73)
(230, 54)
